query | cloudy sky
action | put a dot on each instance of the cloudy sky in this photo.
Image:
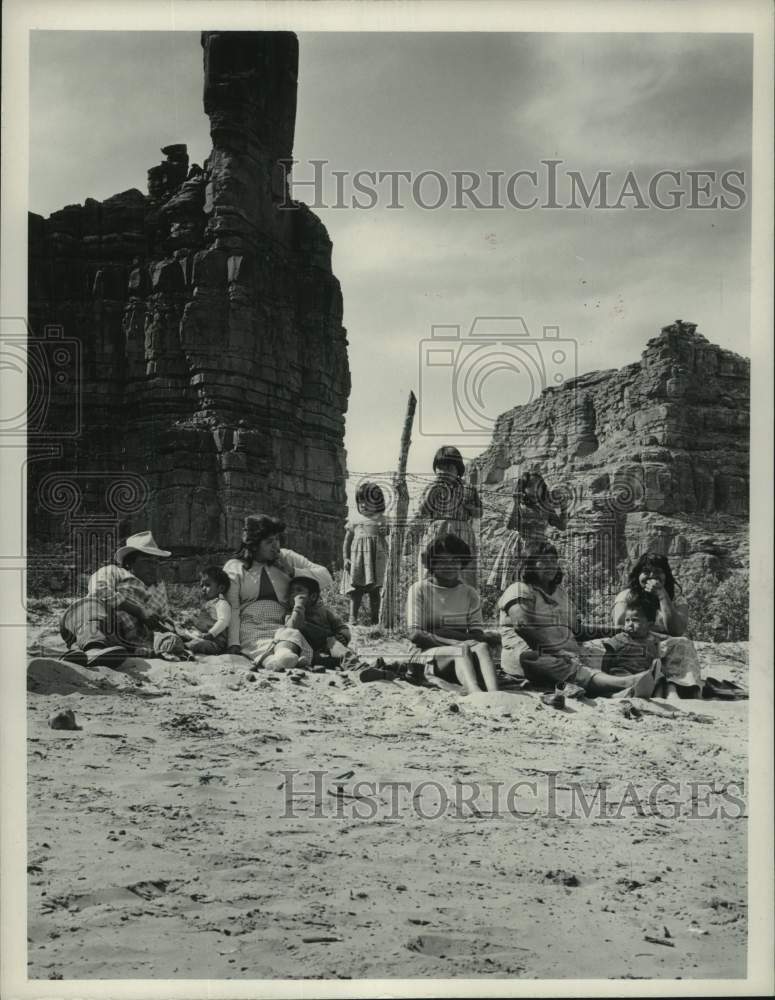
(102, 104)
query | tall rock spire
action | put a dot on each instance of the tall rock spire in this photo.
(210, 326)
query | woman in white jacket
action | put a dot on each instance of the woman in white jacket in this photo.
(260, 575)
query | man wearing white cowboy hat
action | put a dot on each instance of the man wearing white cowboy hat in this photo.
(125, 610)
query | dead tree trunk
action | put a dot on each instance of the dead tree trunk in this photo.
(388, 614)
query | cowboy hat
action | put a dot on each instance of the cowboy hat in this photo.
(142, 542)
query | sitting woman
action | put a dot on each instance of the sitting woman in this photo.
(260, 578)
(541, 633)
(444, 618)
(651, 575)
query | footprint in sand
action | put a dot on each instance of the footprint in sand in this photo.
(449, 946)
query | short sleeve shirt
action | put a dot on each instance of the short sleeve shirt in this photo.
(552, 617)
(430, 606)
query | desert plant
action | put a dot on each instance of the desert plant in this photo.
(718, 609)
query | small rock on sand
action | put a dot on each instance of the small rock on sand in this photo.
(64, 719)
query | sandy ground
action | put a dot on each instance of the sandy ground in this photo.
(160, 843)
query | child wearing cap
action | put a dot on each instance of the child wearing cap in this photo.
(312, 631)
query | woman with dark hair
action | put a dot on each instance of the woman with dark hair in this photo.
(444, 618)
(260, 576)
(364, 551)
(540, 629)
(450, 506)
(531, 513)
(652, 575)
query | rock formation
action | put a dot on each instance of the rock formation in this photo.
(208, 328)
(652, 456)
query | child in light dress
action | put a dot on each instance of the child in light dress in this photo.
(209, 636)
(365, 551)
(312, 632)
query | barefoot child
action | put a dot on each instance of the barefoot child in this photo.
(210, 635)
(365, 551)
(444, 618)
(311, 630)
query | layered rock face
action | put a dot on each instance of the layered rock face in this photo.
(214, 377)
(651, 457)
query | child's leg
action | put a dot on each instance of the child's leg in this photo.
(482, 653)
(374, 602)
(671, 691)
(284, 656)
(205, 647)
(355, 605)
(466, 672)
(453, 662)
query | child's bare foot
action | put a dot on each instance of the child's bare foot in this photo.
(671, 692)
(646, 684)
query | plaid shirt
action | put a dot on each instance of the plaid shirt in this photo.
(113, 584)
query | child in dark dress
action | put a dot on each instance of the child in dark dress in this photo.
(323, 636)
(635, 648)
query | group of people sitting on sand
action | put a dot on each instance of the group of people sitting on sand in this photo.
(266, 605)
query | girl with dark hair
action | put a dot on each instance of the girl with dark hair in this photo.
(652, 575)
(260, 576)
(212, 624)
(365, 551)
(450, 506)
(444, 618)
(540, 629)
(531, 514)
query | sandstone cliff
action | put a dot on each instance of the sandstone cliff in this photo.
(214, 376)
(652, 456)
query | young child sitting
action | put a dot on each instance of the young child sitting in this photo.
(312, 633)
(209, 637)
(444, 618)
(634, 649)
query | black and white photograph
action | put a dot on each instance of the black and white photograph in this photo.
(387, 581)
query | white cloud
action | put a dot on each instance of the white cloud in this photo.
(102, 105)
